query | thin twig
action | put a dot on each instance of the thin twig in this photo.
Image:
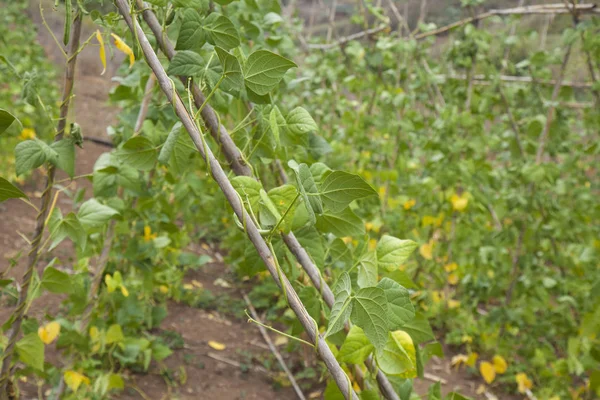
(274, 350)
(346, 39)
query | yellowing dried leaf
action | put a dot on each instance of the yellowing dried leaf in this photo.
(280, 341)
(451, 267)
(459, 203)
(452, 304)
(197, 284)
(500, 364)
(75, 379)
(409, 204)
(426, 250)
(453, 278)
(216, 345)
(487, 371)
(123, 47)
(27, 134)
(458, 359)
(163, 289)
(188, 286)
(472, 359)
(102, 51)
(524, 382)
(124, 291)
(49, 332)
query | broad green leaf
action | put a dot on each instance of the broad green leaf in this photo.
(221, 31)
(341, 224)
(367, 270)
(232, 70)
(312, 241)
(435, 392)
(114, 334)
(340, 254)
(369, 312)
(319, 172)
(300, 122)
(31, 351)
(186, 63)
(456, 396)
(31, 154)
(92, 213)
(282, 197)
(268, 213)
(308, 189)
(311, 299)
(65, 150)
(6, 120)
(191, 34)
(9, 191)
(199, 5)
(398, 356)
(139, 153)
(393, 252)
(181, 157)
(356, 347)
(167, 149)
(419, 329)
(400, 309)
(264, 70)
(342, 307)
(70, 227)
(249, 190)
(340, 188)
(332, 392)
(56, 281)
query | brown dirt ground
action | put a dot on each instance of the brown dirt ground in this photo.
(198, 375)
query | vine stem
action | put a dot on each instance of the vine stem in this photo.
(229, 148)
(33, 255)
(232, 197)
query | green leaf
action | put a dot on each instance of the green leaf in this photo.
(9, 191)
(400, 309)
(114, 334)
(31, 351)
(342, 307)
(191, 33)
(398, 357)
(456, 396)
(6, 120)
(232, 70)
(341, 224)
(183, 152)
(300, 122)
(275, 120)
(268, 212)
(65, 149)
(249, 189)
(393, 252)
(68, 227)
(186, 63)
(264, 70)
(282, 197)
(310, 297)
(356, 347)
(31, 154)
(340, 188)
(92, 213)
(221, 31)
(312, 241)
(308, 189)
(139, 153)
(419, 329)
(435, 392)
(370, 312)
(367, 270)
(56, 281)
(167, 149)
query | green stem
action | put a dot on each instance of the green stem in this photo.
(214, 89)
(250, 319)
(283, 217)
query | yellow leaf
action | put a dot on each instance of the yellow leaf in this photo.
(27, 134)
(426, 250)
(124, 291)
(372, 244)
(409, 204)
(122, 46)
(458, 359)
(472, 359)
(459, 203)
(197, 284)
(148, 235)
(49, 332)
(524, 382)
(451, 267)
(75, 379)
(216, 345)
(188, 286)
(480, 389)
(280, 340)
(453, 278)
(453, 304)
(487, 371)
(163, 289)
(466, 339)
(102, 51)
(500, 364)
(94, 333)
(368, 226)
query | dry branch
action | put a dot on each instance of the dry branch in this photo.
(33, 255)
(233, 199)
(527, 10)
(274, 350)
(347, 39)
(485, 80)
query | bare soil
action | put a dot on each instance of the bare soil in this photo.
(192, 372)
